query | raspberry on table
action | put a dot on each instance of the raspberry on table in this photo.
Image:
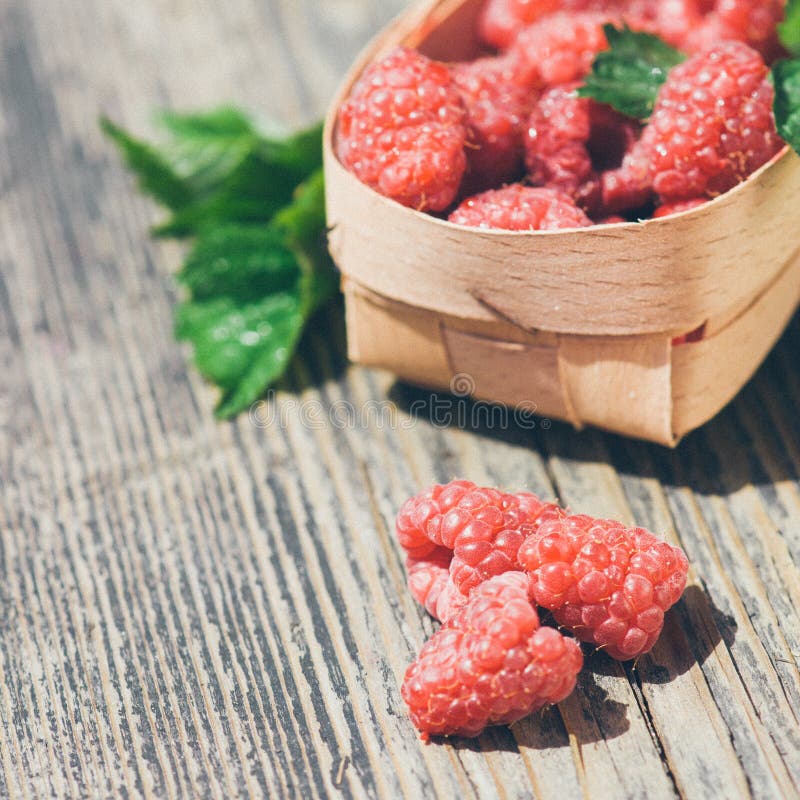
(431, 586)
(424, 512)
(490, 664)
(480, 528)
(607, 584)
(585, 149)
(520, 208)
(712, 124)
(402, 131)
(497, 111)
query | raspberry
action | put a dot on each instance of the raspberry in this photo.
(606, 583)
(497, 110)
(502, 19)
(751, 21)
(431, 586)
(676, 208)
(490, 664)
(675, 20)
(712, 124)
(402, 131)
(571, 140)
(520, 208)
(425, 511)
(480, 528)
(629, 186)
(487, 545)
(558, 49)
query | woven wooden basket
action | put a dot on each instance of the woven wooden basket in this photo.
(578, 324)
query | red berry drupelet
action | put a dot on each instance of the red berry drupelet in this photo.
(712, 124)
(520, 208)
(497, 111)
(608, 584)
(402, 131)
(490, 664)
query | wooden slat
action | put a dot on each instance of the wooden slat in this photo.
(192, 609)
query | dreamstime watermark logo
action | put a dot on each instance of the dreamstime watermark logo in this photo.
(454, 410)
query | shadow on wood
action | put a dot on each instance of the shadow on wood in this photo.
(748, 443)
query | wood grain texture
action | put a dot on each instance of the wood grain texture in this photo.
(192, 609)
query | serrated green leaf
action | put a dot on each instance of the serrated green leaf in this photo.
(242, 348)
(260, 265)
(786, 78)
(241, 262)
(629, 74)
(155, 174)
(789, 29)
(303, 222)
(205, 148)
(251, 192)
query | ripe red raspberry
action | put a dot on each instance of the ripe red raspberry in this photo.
(629, 186)
(402, 131)
(579, 147)
(431, 585)
(712, 124)
(487, 543)
(751, 21)
(474, 532)
(501, 20)
(606, 583)
(558, 49)
(497, 110)
(490, 664)
(425, 511)
(675, 20)
(520, 208)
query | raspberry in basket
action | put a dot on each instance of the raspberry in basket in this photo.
(402, 131)
(751, 21)
(520, 208)
(712, 124)
(558, 49)
(490, 664)
(573, 142)
(607, 584)
(497, 111)
(501, 20)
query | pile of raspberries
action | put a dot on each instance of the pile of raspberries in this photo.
(480, 560)
(505, 142)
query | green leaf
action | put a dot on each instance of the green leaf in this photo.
(789, 29)
(629, 74)
(259, 267)
(242, 348)
(205, 148)
(253, 191)
(786, 77)
(303, 222)
(241, 262)
(156, 175)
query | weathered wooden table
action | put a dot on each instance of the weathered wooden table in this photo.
(192, 609)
